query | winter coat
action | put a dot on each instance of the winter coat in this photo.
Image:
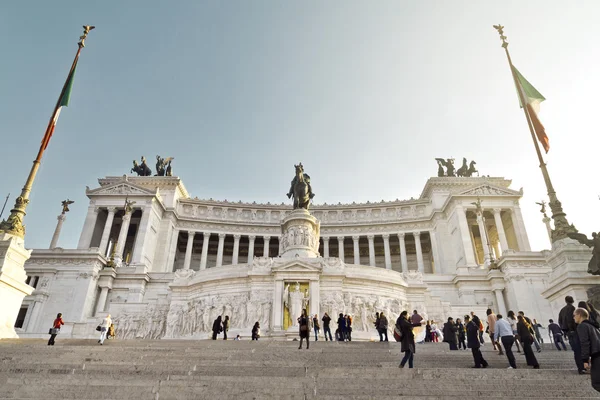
(566, 320)
(473, 335)
(449, 332)
(217, 326)
(589, 337)
(383, 323)
(408, 337)
(303, 320)
(524, 333)
(461, 331)
(326, 321)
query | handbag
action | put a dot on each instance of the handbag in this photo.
(50, 331)
(53, 331)
(98, 328)
(397, 334)
(303, 328)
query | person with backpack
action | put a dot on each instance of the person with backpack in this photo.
(383, 327)
(589, 337)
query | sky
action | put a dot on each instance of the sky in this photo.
(364, 94)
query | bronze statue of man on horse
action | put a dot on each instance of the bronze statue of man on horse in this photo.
(300, 188)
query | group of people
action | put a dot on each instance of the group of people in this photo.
(106, 329)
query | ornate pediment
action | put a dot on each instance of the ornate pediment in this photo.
(121, 188)
(314, 265)
(490, 190)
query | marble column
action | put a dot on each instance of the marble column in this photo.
(465, 233)
(236, 249)
(61, 219)
(356, 239)
(519, 227)
(403, 259)
(277, 318)
(220, 249)
(251, 249)
(388, 255)
(435, 253)
(101, 305)
(267, 240)
(106, 231)
(188, 250)
(420, 265)
(341, 248)
(371, 239)
(484, 239)
(140, 238)
(326, 246)
(88, 227)
(172, 250)
(546, 222)
(33, 319)
(122, 238)
(500, 301)
(206, 239)
(500, 229)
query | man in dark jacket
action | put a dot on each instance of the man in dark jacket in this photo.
(589, 338)
(569, 327)
(449, 332)
(473, 341)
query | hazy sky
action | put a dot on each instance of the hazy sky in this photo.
(365, 94)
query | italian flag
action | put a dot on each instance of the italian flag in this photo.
(63, 101)
(533, 98)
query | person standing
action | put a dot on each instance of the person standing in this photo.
(326, 329)
(341, 328)
(348, 334)
(473, 341)
(567, 323)
(512, 320)
(556, 335)
(491, 320)
(225, 327)
(316, 327)
(217, 327)
(461, 334)
(527, 339)
(407, 343)
(383, 327)
(106, 323)
(55, 330)
(449, 332)
(589, 337)
(428, 331)
(504, 334)
(416, 319)
(303, 323)
(255, 331)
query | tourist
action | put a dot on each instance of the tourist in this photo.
(527, 339)
(473, 341)
(111, 332)
(348, 332)
(407, 341)
(530, 327)
(104, 325)
(449, 331)
(55, 330)
(589, 338)
(567, 323)
(217, 328)
(556, 335)
(326, 329)
(303, 322)
(591, 317)
(383, 327)
(512, 320)
(460, 328)
(491, 320)
(316, 326)
(594, 316)
(435, 332)
(225, 327)
(376, 323)
(536, 328)
(238, 337)
(504, 333)
(341, 328)
(428, 331)
(416, 319)
(255, 331)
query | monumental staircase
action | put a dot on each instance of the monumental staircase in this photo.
(169, 369)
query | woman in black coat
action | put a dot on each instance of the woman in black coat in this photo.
(449, 332)
(304, 331)
(256, 331)
(461, 334)
(408, 339)
(526, 340)
(216, 328)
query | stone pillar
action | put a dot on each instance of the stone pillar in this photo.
(33, 318)
(220, 249)
(61, 219)
(206, 237)
(251, 249)
(314, 290)
(372, 262)
(386, 247)
(326, 246)
(140, 238)
(435, 253)
(277, 318)
(341, 248)
(88, 227)
(102, 300)
(107, 229)
(519, 226)
(500, 302)
(236, 249)
(484, 239)
(267, 240)
(172, 250)
(420, 265)
(500, 229)
(468, 244)
(122, 238)
(188, 250)
(403, 259)
(546, 222)
(356, 239)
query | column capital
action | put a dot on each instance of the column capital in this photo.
(326, 239)
(126, 217)
(341, 237)
(111, 209)
(355, 237)
(222, 235)
(371, 237)
(237, 236)
(251, 238)
(192, 233)
(61, 217)
(267, 237)
(497, 211)
(416, 234)
(206, 235)
(401, 235)
(386, 236)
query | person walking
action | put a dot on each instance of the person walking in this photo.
(536, 328)
(348, 333)
(566, 321)
(407, 341)
(303, 328)
(55, 330)
(461, 334)
(428, 331)
(473, 341)
(225, 327)
(383, 327)
(217, 327)
(589, 337)
(316, 326)
(326, 329)
(527, 339)
(512, 320)
(592, 317)
(503, 334)
(104, 325)
(491, 320)
(556, 335)
(532, 331)
(449, 332)
(255, 331)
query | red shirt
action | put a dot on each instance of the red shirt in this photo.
(57, 323)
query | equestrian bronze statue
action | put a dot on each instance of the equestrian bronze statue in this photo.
(301, 189)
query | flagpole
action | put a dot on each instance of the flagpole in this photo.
(561, 225)
(14, 223)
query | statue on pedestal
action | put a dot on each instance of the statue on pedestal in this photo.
(141, 169)
(295, 301)
(300, 188)
(163, 166)
(594, 243)
(65, 205)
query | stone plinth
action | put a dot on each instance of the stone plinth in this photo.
(12, 282)
(299, 235)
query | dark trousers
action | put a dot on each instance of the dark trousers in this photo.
(478, 358)
(214, 336)
(51, 341)
(408, 356)
(307, 341)
(507, 342)
(595, 372)
(224, 334)
(481, 337)
(529, 356)
(559, 339)
(326, 330)
(576, 347)
(453, 346)
(461, 342)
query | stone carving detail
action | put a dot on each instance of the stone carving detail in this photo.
(150, 324)
(262, 263)
(413, 276)
(184, 273)
(121, 189)
(487, 190)
(332, 263)
(300, 236)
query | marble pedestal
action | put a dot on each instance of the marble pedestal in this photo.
(299, 235)
(12, 282)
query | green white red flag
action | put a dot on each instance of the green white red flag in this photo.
(533, 98)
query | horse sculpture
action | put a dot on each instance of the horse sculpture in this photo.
(462, 171)
(472, 169)
(300, 189)
(141, 169)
